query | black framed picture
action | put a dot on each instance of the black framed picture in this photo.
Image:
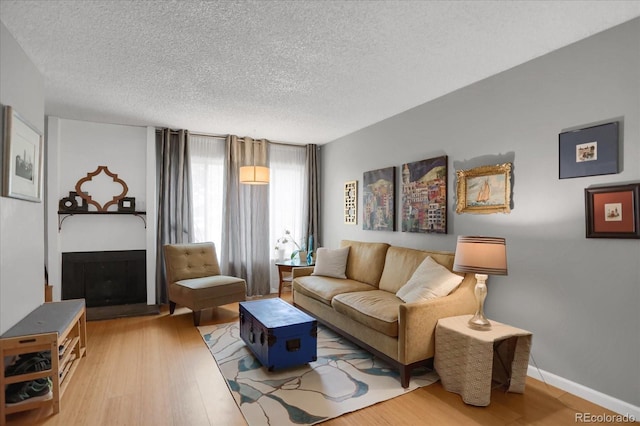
(590, 151)
(127, 204)
(613, 211)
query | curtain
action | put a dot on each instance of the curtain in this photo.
(245, 217)
(174, 198)
(311, 209)
(286, 200)
(207, 175)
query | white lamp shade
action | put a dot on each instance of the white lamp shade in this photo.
(481, 255)
(254, 175)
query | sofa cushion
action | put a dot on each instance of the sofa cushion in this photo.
(429, 281)
(401, 263)
(331, 262)
(324, 289)
(366, 261)
(375, 309)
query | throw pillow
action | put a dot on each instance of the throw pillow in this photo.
(429, 281)
(331, 262)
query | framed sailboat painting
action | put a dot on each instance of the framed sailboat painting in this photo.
(484, 190)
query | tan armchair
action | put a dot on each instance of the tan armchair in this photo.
(194, 279)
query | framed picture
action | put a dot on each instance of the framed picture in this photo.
(424, 196)
(127, 204)
(351, 202)
(484, 190)
(613, 211)
(590, 151)
(378, 194)
(22, 158)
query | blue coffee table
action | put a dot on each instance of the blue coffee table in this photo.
(278, 334)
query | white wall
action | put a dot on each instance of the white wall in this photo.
(578, 296)
(77, 148)
(21, 222)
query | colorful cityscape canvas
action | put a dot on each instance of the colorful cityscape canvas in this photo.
(378, 198)
(424, 196)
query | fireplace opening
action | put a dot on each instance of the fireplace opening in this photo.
(105, 278)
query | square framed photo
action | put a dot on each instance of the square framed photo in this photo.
(484, 190)
(589, 152)
(127, 204)
(613, 211)
(22, 158)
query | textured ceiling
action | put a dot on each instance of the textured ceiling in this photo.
(302, 72)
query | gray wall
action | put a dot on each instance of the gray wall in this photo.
(21, 222)
(580, 297)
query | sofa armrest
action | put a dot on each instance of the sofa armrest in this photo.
(417, 321)
(301, 272)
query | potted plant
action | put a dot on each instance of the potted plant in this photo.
(286, 239)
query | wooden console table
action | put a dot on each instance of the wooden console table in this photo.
(59, 328)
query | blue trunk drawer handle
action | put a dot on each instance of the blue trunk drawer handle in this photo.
(293, 345)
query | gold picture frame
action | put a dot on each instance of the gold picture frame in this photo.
(484, 190)
(351, 202)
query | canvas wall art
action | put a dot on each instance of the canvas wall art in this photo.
(424, 196)
(378, 195)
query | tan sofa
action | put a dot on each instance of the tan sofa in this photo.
(365, 309)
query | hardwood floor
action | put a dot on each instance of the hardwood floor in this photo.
(156, 370)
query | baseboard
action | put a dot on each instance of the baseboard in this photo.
(621, 407)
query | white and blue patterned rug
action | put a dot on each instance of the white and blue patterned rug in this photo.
(344, 378)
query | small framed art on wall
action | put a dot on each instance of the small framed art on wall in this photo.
(613, 211)
(589, 152)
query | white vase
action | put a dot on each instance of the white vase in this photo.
(279, 255)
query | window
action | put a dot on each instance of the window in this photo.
(287, 192)
(207, 176)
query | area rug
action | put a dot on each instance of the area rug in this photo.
(344, 378)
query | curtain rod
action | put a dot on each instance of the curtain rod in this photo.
(211, 135)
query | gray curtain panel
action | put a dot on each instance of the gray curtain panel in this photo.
(174, 198)
(311, 211)
(245, 217)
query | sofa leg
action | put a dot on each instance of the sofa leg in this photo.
(196, 318)
(172, 307)
(405, 375)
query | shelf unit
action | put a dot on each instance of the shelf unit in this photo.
(57, 327)
(62, 215)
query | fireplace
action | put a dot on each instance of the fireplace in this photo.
(105, 278)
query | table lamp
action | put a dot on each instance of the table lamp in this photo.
(483, 256)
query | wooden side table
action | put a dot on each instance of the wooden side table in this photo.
(469, 360)
(284, 271)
